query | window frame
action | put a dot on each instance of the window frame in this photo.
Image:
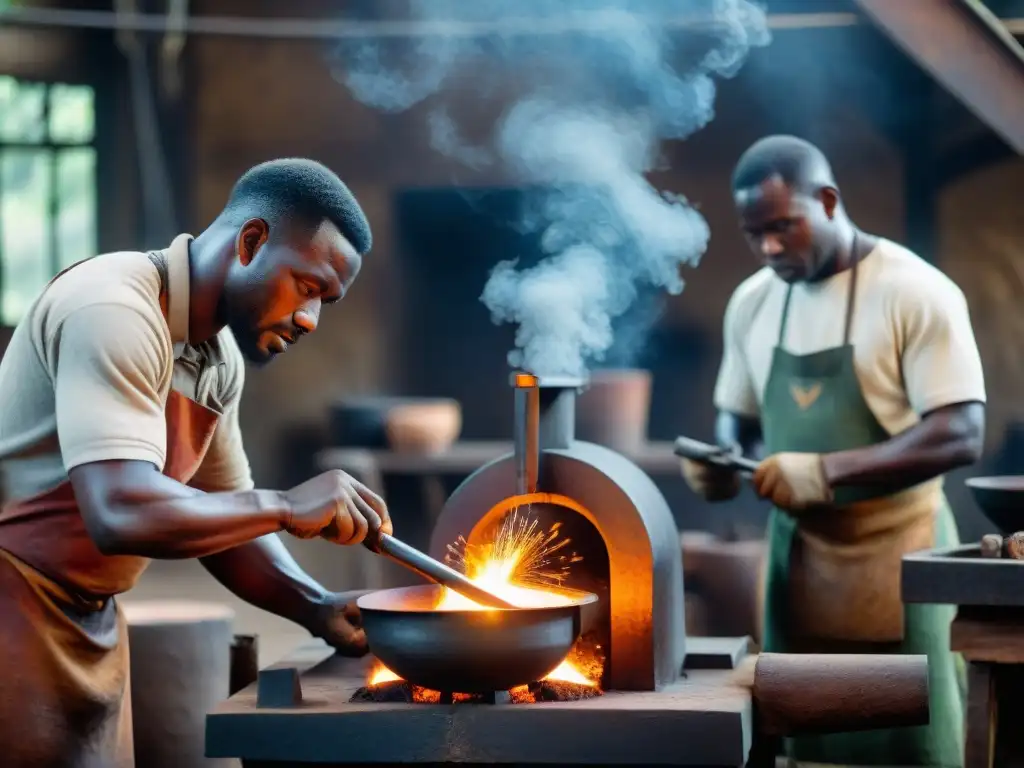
(47, 144)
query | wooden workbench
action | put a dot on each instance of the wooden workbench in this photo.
(698, 721)
(989, 632)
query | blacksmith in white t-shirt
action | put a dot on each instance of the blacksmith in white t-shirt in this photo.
(851, 365)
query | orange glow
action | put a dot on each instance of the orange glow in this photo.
(521, 565)
(380, 675)
(524, 565)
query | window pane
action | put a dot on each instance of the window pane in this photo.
(21, 110)
(24, 224)
(76, 205)
(71, 113)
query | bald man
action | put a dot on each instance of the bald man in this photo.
(851, 364)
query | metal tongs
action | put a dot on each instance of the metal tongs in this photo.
(714, 455)
(431, 569)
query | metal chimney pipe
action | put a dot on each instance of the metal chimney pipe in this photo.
(526, 432)
(558, 412)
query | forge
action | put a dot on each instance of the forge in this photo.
(625, 685)
(619, 526)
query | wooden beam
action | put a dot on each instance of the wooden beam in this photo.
(967, 50)
(971, 156)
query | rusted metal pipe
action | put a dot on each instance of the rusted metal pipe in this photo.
(558, 412)
(526, 432)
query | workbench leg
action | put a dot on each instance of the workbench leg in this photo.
(764, 752)
(981, 716)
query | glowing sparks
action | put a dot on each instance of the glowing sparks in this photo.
(524, 565)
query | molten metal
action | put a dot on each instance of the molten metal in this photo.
(524, 565)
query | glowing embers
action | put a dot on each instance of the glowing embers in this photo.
(572, 680)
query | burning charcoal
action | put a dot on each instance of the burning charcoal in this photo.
(559, 690)
(391, 692)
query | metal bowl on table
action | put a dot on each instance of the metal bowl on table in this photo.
(1001, 500)
(468, 651)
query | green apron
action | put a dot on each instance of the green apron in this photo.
(840, 419)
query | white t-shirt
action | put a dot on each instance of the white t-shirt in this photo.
(87, 372)
(914, 347)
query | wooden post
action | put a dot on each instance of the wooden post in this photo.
(980, 716)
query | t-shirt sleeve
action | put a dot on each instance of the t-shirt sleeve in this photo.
(938, 353)
(735, 391)
(110, 370)
(225, 468)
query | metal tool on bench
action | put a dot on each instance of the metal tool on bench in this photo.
(713, 455)
(1001, 500)
(434, 570)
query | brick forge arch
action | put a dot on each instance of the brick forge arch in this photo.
(647, 643)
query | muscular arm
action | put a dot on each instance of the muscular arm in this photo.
(263, 573)
(943, 440)
(130, 508)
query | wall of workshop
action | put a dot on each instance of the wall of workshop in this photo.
(981, 236)
(254, 101)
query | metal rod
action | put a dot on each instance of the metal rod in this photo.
(526, 432)
(713, 455)
(325, 29)
(436, 571)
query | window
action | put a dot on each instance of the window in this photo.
(47, 186)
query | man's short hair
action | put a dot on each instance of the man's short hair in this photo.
(300, 190)
(798, 163)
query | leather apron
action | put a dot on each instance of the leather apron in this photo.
(64, 686)
(832, 578)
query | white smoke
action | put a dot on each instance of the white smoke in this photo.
(603, 86)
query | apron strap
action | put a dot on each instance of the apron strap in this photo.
(850, 299)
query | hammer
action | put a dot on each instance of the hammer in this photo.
(713, 455)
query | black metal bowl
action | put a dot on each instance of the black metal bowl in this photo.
(1001, 500)
(467, 651)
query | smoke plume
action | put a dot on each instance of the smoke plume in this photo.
(598, 88)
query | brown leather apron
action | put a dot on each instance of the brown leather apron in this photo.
(64, 687)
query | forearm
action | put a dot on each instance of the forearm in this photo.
(942, 441)
(138, 511)
(264, 574)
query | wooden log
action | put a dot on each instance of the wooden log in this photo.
(180, 670)
(830, 693)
